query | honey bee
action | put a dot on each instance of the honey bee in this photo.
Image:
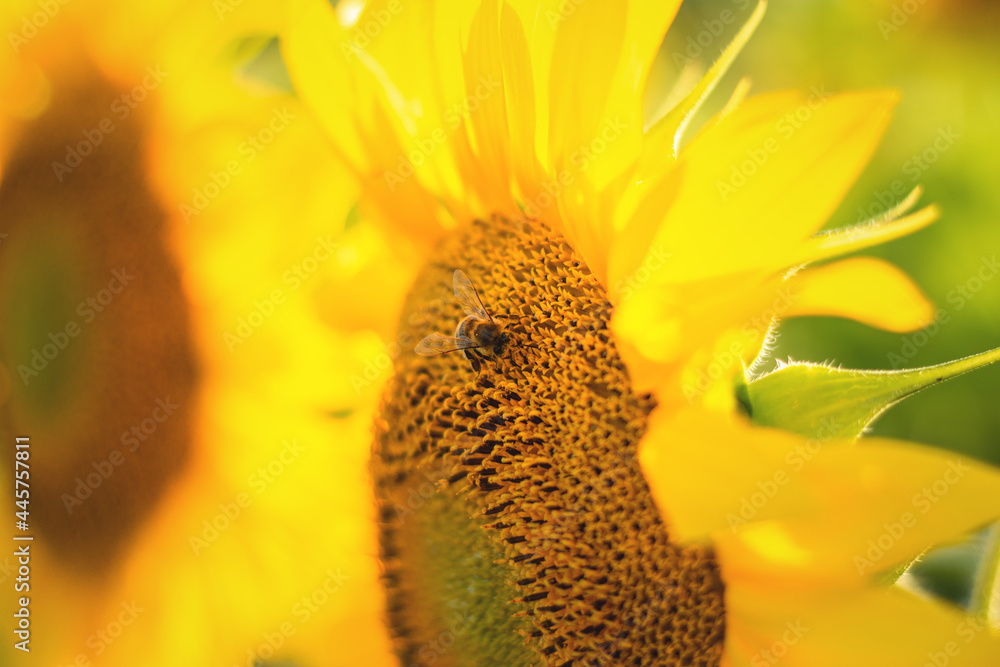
(478, 331)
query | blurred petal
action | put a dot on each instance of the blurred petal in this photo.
(720, 320)
(811, 512)
(328, 67)
(864, 627)
(596, 129)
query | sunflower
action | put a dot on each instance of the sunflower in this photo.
(157, 342)
(575, 493)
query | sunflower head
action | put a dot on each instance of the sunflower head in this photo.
(509, 487)
(90, 282)
(554, 501)
(592, 470)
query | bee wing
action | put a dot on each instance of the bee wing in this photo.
(467, 295)
(439, 344)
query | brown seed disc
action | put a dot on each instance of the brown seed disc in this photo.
(94, 331)
(509, 486)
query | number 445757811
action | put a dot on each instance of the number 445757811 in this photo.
(22, 454)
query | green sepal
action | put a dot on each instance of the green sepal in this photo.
(986, 592)
(823, 402)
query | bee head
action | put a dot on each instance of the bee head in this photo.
(502, 342)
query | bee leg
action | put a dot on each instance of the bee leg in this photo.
(474, 359)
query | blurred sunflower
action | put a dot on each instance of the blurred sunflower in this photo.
(636, 272)
(157, 342)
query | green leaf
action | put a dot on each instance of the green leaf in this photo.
(823, 402)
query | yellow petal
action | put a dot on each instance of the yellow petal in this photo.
(484, 84)
(594, 82)
(596, 130)
(698, 505)
(859, 627)
(366, 116)
(520, 99)
(807, 512)
(661, 325)
(322, 74)
(767, 177)
(865, 289)
(247, 587)
(208, 596)
(539, 20)
(461, 102)
(639, 213)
